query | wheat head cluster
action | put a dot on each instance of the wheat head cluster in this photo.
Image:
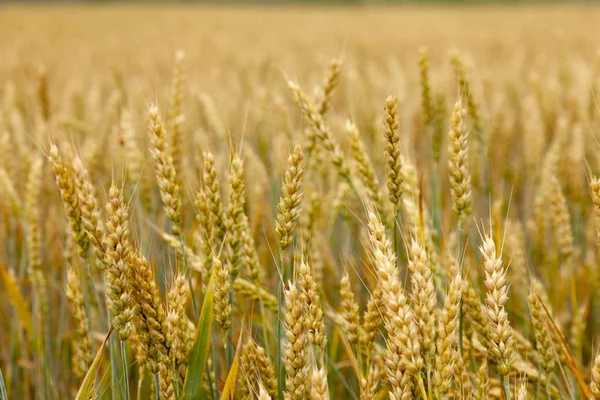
(299, 204)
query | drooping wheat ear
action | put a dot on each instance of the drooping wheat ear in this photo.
(90, 210)
(423, 299)
(82, 347)
(65, 181)
(222, 305)
(313, 311)
(426, 101)
(458, 166)
(134, 156)
(178, 325)
(465, 88)
(501, 340)
(176, 117)
(447, 341)
(166, 174)
(321, 130)
(543, 341)
(318, 380)
(295, 358)
(595, 189)
(331, 82)
(560, 218)
(118, 251)
(402, 357)
(482, 390)
(249, 289)
(216, 216)
(42, 94)
(595, 383)
(393, 162)
(366, 169)
(438, 128)
(150, 317)
(349, 309)
(234, 216)
(288, 209)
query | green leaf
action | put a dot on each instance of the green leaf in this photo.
(229, 388)
(199, 354)
(87, 386)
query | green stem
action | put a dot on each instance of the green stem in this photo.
(139, 388)
(228, 336)
(210, 385)
(114, 369)
(506, 386)
(156, 386)
(125, 373)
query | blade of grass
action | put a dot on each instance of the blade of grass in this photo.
(87, 386)
(199, 354)
(229, 388)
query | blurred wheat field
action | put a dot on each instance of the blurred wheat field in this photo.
(299, 203)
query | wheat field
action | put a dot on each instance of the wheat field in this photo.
(299, 202)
